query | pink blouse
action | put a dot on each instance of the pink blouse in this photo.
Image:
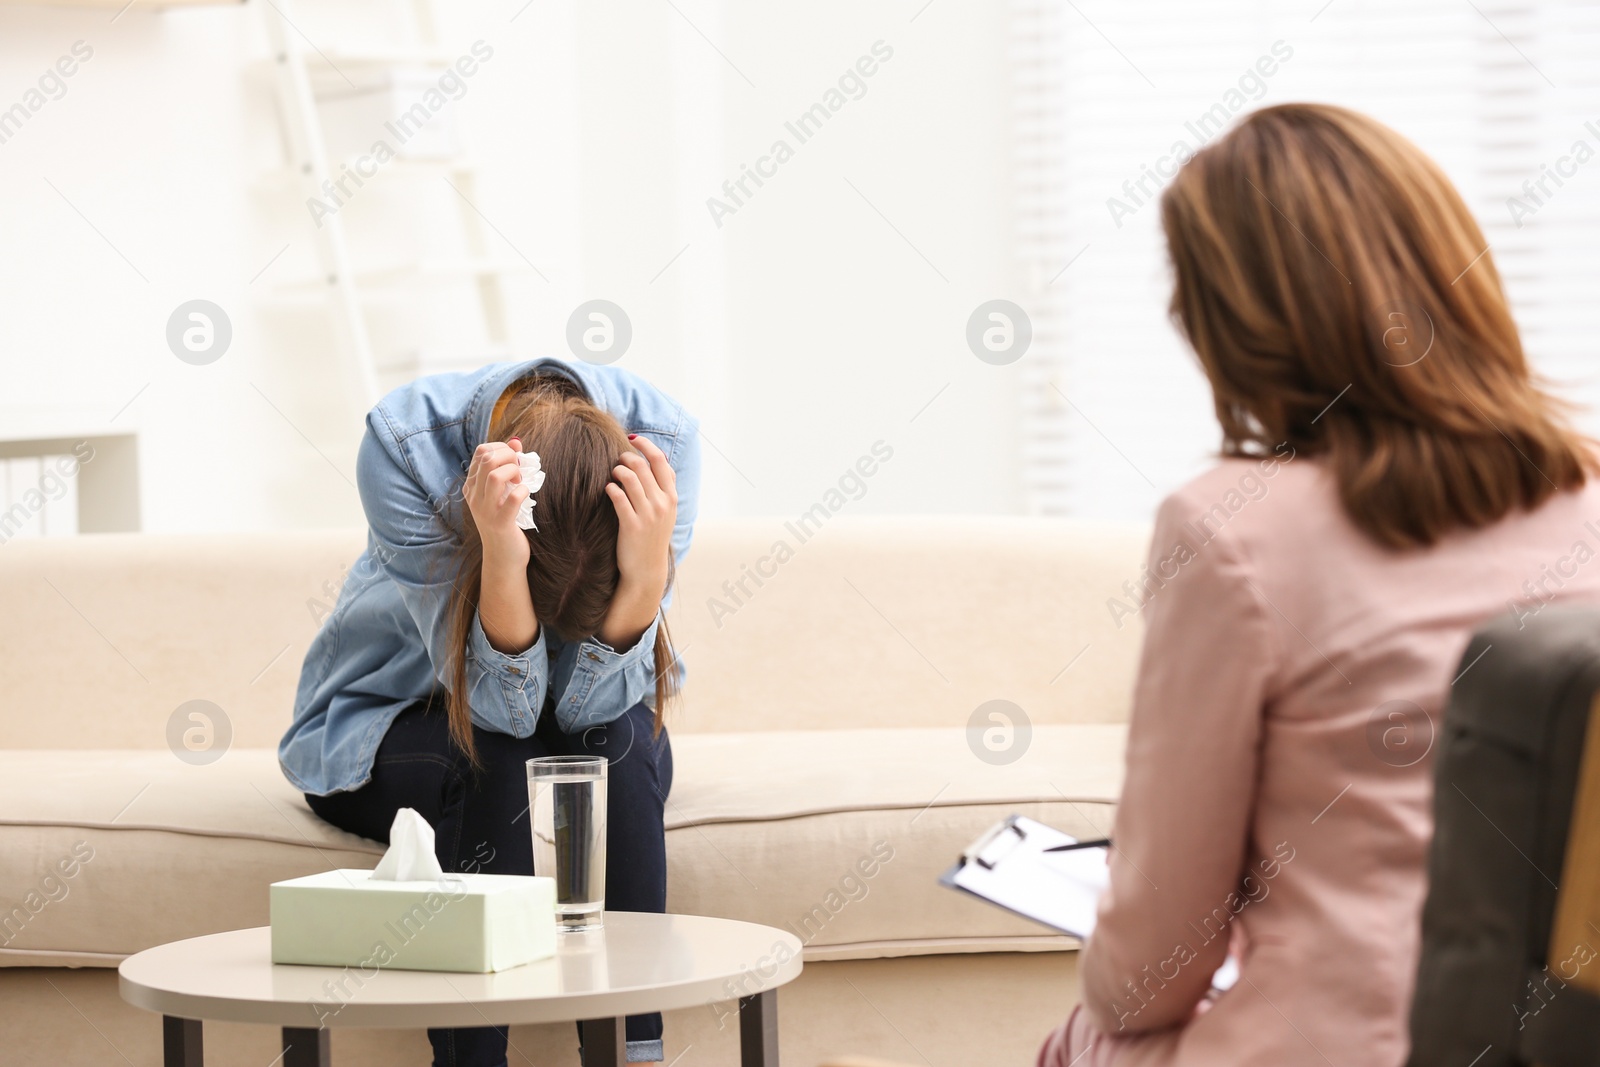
(1279, 772)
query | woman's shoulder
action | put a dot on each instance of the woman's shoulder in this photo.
(434, 401)
(1240, 492)
(640, 403)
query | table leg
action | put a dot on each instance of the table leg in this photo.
(758, 1030)
(305, 1047)
(180, 1042)
(604, 1042)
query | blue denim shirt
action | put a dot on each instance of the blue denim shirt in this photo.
(384, 645)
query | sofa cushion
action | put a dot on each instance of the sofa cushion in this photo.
(838, 836)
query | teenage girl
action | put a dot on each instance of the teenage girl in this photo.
(463, 645)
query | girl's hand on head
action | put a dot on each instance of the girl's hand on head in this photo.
(493, 492)
(645, 495)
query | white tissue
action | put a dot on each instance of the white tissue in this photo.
(410, 857)
(532, 479)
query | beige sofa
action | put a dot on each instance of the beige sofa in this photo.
(826, 719)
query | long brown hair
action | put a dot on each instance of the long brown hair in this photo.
(572, 565)
(1341, 298)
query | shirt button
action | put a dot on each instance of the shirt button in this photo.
(592, 656)
(514, 670)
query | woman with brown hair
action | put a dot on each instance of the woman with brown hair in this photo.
(1392, 477)
(524, 524)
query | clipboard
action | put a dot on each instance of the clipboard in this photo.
(1011, 867)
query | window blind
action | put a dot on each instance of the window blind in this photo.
(1115, 412)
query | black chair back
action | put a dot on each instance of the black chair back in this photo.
(1510, 967)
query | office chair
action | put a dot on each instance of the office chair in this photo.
(1510, 966)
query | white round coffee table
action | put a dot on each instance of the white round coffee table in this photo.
(637, 964)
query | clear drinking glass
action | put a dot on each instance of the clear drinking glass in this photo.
(567, 804)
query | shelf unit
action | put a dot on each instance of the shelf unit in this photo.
(306, 85)
(105, 488)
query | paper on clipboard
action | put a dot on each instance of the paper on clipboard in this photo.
(1010, 867)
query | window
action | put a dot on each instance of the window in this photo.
(1501, 94)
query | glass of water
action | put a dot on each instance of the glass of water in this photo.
(567, 802)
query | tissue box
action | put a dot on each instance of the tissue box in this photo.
(464, 922)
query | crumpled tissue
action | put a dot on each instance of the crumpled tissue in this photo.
(532, 480)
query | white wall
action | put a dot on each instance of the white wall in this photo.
(802, 330)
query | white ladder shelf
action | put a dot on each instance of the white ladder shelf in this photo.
(297, 89)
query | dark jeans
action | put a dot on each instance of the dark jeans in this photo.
(480, 822)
